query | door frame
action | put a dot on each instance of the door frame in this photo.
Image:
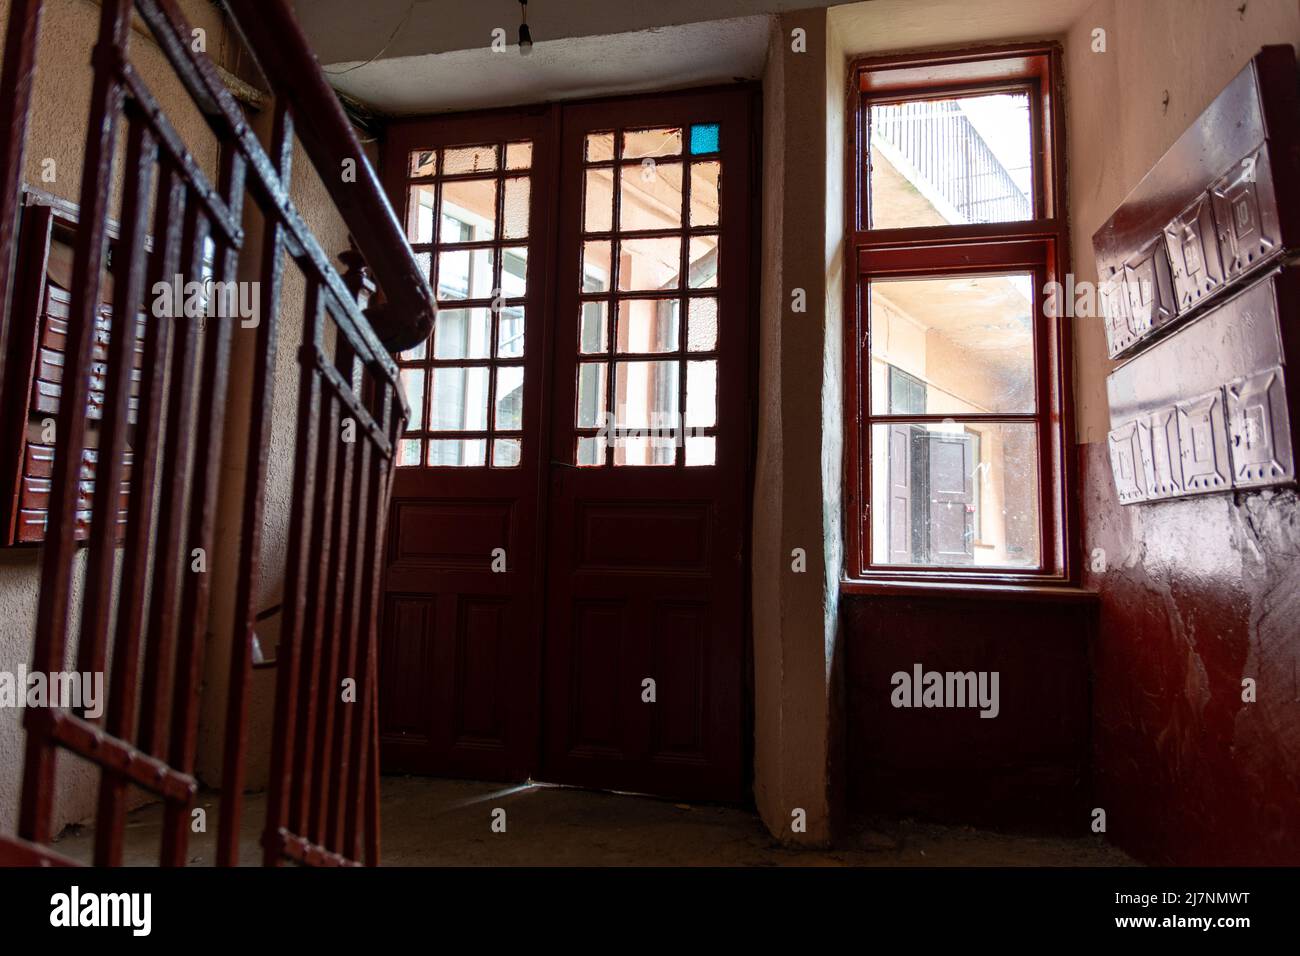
(395, 140)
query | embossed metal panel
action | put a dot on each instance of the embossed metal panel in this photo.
(1213, 399)
(1222, 204)
(1166, 454)
(1245, 208)
(1260, 430)
(1193, 247)
(1129, 461)
(1203, 438)
(1149, 288)
(1115, 312)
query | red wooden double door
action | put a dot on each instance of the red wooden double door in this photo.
(565, 594)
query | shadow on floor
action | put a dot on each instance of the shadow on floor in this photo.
(435, 822)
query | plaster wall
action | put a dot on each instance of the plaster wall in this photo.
(1196, 594)
(798, 486)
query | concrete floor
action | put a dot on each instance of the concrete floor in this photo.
(449, 823)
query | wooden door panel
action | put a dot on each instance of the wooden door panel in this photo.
(463, 605)
(646, 576)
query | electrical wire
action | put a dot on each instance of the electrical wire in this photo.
(393, 36)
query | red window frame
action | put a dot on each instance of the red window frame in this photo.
(1039, 246)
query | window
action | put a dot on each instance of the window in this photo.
(467, 220)
(956, 370)
(647, 378)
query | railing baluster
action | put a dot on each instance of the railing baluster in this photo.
(296, 579)
(207, 460)
(259, 436)
(120, 720)
(318, 589)
(170, 558)
(327, 699)
(128, 292)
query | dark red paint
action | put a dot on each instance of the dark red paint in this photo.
(1024, 769)
(1197, 595)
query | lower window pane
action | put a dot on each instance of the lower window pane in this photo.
(590, 451)
(408, 452)
(464, 452)
(955, 494)
(505, 452)
(646, 394)
(655, 449)
(458, 399)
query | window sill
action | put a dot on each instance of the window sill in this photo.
(1053, 593)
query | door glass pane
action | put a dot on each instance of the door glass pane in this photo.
(424, 162)
(469, 209)
(599, 147)
(469, 159)
(967, 159)
(650, 196)
(647, 325)
(408, 452)
(705, 138)
(458, 452)
(701, 450)
(596, 258)
(510, 398)
(506, 452)
(514, 272)
(662, 141)
(593, 331)
(646, 394)
(967, 340)
(702, 324)
(419, 212)
(645, 450)
(413, 389)
(648, 265)
(955, 494)
(598, 204)
(514, 212)
(462, 333)
(704, 262)
(701, 394)
(592, 380)
(458, 399)
(590, 451)
(510, 332)
(704, 194)
(465, 274)
(519, 155)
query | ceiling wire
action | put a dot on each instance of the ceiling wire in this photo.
(389, 42)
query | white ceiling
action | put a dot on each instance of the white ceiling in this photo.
(355, 30)
(694, 54)
(441, 59)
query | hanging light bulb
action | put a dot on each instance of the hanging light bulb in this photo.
(525, 36)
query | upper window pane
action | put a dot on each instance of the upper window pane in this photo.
(950, 161)
(952, 345)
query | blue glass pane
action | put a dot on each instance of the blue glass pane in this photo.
(704, 138)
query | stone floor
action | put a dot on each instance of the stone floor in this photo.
(449, 822)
